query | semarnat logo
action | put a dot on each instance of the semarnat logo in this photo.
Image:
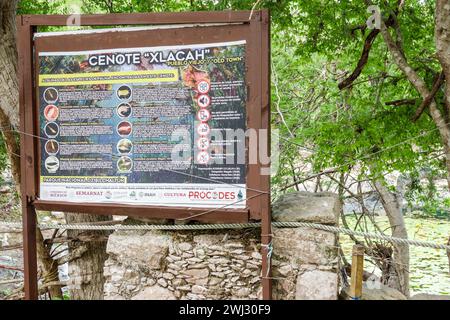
(89, 193)
(212, 195)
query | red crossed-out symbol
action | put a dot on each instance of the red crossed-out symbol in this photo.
(203, 101)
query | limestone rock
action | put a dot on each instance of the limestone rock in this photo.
(218, 274)
(207, 239)
(168, 276)
(242, 292)
(162, 282)
(154, 293)
(424, 296)
(197, 266)
(214, 281)
(284, 270)
(200, 253)
(197, 273)
(196, 289)
(322, 207)
(174, 267)
(383, 292)
(194, 260)
(185, 246)
(148, 249)
(317, 285)
(184, 288)
(178, 282)
(187, 255)
(304, 245)
(256, 255)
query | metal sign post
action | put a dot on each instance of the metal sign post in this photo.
(166, 30)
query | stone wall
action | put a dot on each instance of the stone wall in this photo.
(305, 260)
(183, 265)
(226, 264)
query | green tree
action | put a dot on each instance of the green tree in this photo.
(360, 98)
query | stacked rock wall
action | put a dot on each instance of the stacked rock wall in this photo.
(183, 265)
(226, 264)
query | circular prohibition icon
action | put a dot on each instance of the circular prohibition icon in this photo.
(203, 129)
(203, 86)
(203, 143)
(203, 115)
(203, 101)
(203, 157)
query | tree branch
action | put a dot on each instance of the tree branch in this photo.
(417, 82)
(307, 178)
(401, 102)
(73, 255)
(347, 82)
(438, 81)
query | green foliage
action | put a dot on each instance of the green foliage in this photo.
(40, 6)
(3, 157)
(280, 9)
(315, 45)
(316, 50)
(425, 195)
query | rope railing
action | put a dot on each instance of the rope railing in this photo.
(149, 227)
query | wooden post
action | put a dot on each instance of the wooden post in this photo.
(29, 251)
(27, 152)
(266, 215)
(357, 272)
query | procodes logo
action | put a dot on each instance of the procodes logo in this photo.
(212, 195)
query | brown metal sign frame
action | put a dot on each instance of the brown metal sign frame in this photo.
(218, 26)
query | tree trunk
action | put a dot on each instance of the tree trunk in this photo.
(86, 270)
(49, 267)
(400, 280)
(442, 39)
(400, 190)
(9, 90)
(92, 260)
(9, 120)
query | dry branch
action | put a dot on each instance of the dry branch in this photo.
(401, 102)
(73, 255)
(347, 82)
(2, 266)
(437, 83)
(368, 42)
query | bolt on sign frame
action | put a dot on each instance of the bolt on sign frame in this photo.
(205, 27)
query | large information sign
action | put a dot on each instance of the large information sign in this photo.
(167, 118)
(154, 125)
